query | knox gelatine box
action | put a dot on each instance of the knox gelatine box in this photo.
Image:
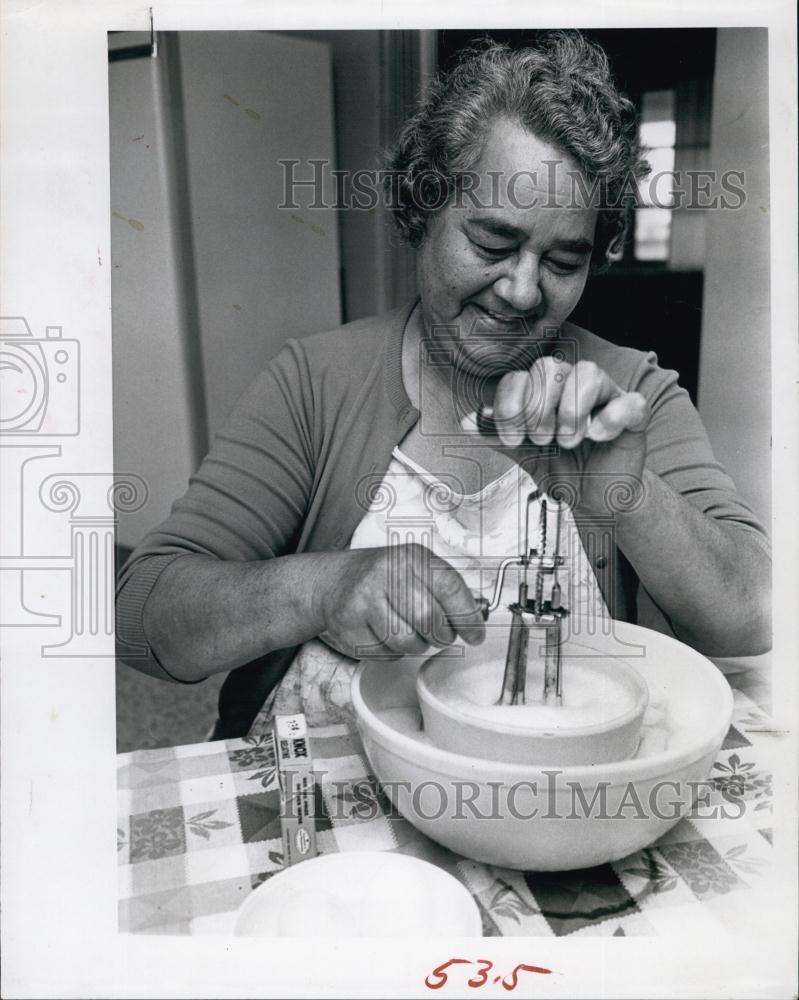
(297, 784)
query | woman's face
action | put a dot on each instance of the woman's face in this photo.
(499, 268)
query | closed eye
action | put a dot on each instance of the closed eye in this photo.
(564, 266)
(492, 253)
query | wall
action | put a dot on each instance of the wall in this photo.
(156, 379)
(262, 273)
(377, 76)
(357, 89)
(210, 276)
(734, 382)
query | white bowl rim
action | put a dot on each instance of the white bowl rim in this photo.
(637, 683)
(256, 896)
(446, 762)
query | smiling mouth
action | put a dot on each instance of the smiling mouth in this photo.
(504, 319)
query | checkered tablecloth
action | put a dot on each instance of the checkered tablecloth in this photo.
(199, 828)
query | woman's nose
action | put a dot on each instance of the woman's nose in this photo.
(520, 286)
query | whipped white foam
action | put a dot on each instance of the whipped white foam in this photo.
(590, 697)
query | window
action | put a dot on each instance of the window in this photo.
(658, 130)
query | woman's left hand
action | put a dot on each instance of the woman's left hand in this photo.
(599, 430)
(583, 440)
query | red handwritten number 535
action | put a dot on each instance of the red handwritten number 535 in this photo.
(438, 977)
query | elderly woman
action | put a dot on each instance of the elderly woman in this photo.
(354, 506)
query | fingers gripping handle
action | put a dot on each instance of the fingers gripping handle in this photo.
(483, 605)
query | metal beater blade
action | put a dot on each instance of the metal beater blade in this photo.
(535, 614)
(514, 680)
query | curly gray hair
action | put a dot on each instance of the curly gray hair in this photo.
(562, 91)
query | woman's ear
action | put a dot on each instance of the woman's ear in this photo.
(616, 241)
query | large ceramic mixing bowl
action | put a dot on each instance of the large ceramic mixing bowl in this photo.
(552, 818)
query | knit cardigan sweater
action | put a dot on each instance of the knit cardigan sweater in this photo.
(293, 468)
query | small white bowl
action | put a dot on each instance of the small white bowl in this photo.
(551, 818)
(454, 725)
(360, 894)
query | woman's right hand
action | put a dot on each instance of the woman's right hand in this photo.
(392, 602)
(208, 615)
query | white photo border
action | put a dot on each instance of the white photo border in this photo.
(58, 713)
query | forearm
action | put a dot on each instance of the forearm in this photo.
(710, 577)
(207, 615)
